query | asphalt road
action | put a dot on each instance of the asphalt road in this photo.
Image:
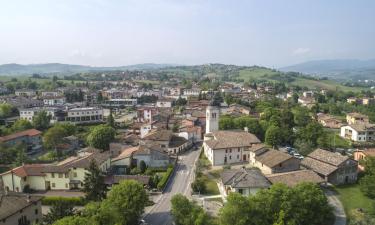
(179, 183)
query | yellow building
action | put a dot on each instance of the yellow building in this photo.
(65, 175)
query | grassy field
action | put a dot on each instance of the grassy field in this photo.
(38, 80)
(211, 186)
(266, 74)
(352, 198)
(338, 141)
(324, 84)
(256, 74)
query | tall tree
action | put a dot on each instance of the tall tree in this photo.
(273, 136)
(128, 200)
(101, 136)
(94, 186)
(21, 125)
(42, 120)
(111, 120)
(59, 210)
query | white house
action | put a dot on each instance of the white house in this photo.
(228, 147)
(54, 100)
(244, 181)
(360, 132)
(164, 103)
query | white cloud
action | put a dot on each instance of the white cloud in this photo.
(301, 51)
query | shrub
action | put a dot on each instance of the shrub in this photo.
(198, 186)
(50, 200)
(165, 178)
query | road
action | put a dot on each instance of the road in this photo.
(180, 182)
(338, 209)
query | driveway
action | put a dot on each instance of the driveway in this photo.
(338, 209)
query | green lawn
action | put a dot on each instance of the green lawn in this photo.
(38, 80)
(256, 74)
(324, 84)
(338, 141)
(352, 198)
(211, 186)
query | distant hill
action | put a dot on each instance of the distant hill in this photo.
(58, 68)
(337, 68)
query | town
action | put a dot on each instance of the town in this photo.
(66, 145)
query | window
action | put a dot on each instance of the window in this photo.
(60, 175)
(36, 211)
(53, 185)
(230, 150)
(230, 157)
(75, 174)
(66, 185)
(53, 175)
(226, 150)
(66, 175)
(240, 191)
(238, 156)
(238, 149)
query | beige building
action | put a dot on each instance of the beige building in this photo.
(16, 208)
(273, 161)
(355, 118)
(65, 175)
(229, 147)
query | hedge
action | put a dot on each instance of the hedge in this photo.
(165, 178)
(76, 201)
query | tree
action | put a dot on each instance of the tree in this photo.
(273, 137)
(367, 182)
(142, 166)
(94, 186)
(5, 110)
(278, 205)
(21, 157)
(111, 120)
(42, 120)
(100, 137)
(185, 212)
(76, 220)
(198, 186)
(128, 200)
(226, 123)
(311, 132)
(59, 210)
(21, 125)
(301, 116)
(53, 137)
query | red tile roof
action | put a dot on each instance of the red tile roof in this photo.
(27, 170)
(30, 132)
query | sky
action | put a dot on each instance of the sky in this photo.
(271, 33)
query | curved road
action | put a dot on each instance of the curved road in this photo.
(179, 183)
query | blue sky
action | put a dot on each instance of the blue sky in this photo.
(111, 33)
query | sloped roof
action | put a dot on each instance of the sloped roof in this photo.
(232, 139)
(30, 132)
(28, 170)
(159, 135)
(126, 153)
(14, 202)
(295, 177)
(244, 178)
(272, 158)
(332, 158)
(318, 166)
(78, 162)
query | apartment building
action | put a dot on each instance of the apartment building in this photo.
(85, 115)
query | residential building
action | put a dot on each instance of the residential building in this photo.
(54, 100)
(119, 103)
(271, 161)
(65, 175)
(164, 103)
(192, 92)
(25, 93)
(20, 102)
(228, 147)
(355, 118)
(30, 138)
(85, 115)
(293, 178)
(332, 167)
(21, 209)
(361, 155)
(50, 94)
(56, 114)
(329, 121)
(360, 132)
(244, 181)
